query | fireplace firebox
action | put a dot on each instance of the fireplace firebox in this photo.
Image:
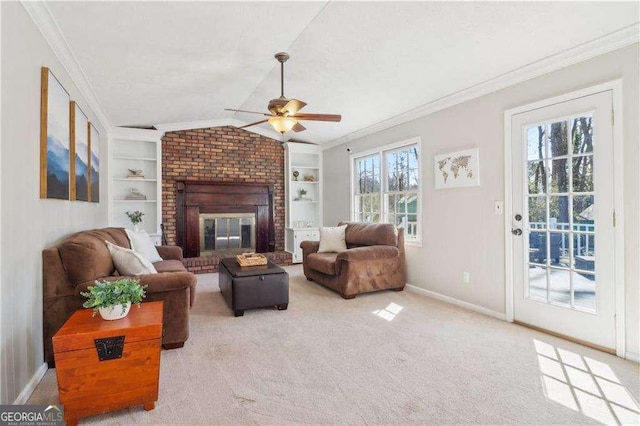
(223, 215)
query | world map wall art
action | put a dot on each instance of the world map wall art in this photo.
(457, 169)
(54, 138)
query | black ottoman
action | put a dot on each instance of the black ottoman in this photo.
(249, 287)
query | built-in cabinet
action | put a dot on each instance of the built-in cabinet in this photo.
(136, 150)
(303, 196)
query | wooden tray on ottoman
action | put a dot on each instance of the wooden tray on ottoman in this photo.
(251, 259)
(88, 385)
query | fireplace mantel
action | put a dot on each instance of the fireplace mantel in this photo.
(195, 197)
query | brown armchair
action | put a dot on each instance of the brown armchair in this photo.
(74, 264)
(374, 260)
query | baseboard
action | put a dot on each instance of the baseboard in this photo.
(457, 302)
(632, 356)
(31, 386)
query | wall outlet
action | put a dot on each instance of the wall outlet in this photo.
(498, 207)
(465, 277)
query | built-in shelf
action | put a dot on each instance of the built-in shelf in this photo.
(136, 149)
(303, 217)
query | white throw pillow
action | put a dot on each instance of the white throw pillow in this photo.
(128, 262)
(332, 239)
(141, 243)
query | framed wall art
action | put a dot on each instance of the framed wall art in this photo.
(457, 169)
(54, 138)
(94, 164)
(80, 153)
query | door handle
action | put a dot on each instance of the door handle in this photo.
(516, 231)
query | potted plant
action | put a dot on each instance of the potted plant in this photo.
(136, 218)
(113, 299)
(302, 193)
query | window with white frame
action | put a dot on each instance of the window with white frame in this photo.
(386, 187)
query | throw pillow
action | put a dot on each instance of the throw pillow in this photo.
(141, 243)
(128, 262)
(332, 239)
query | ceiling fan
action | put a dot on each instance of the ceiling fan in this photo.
(284, 112)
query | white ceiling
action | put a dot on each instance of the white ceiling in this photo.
(167, 62)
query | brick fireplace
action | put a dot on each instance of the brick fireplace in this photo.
(222, 155)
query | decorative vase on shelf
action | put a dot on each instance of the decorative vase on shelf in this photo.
(115, 312)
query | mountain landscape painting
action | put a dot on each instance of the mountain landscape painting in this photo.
(54, 139)
(80, 143)
(94, 164)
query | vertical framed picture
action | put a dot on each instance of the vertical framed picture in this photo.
(94, 164)
(79, 171)
(54, 138)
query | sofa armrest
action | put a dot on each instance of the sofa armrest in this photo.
(368, 253)
(170, 252)
(309, 247)
(156, 283)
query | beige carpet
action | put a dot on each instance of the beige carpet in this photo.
(384, 358)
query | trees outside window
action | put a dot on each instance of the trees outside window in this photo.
(387, 187)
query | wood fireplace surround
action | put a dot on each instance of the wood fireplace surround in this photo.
(196, 197)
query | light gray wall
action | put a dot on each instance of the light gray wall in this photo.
(30, 224)
(460, 230)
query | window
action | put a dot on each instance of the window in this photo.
(386, 187)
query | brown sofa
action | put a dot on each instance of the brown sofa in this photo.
(374, 260)
(82, 258)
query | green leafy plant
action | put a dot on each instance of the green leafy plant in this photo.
(302, 192)
(135, 216)
(105, 294)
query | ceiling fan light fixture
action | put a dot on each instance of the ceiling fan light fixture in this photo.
(283, 124)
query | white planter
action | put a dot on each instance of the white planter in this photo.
(115, 312)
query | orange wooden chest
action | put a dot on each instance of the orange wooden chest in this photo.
(108, 365)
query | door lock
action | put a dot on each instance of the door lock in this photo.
(518, 217)
(516, 231)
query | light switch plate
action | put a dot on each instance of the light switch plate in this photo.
(498, 207)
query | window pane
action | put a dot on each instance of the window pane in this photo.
(583, 212)
(559, 212)
(557, 139)
(535, 143)
(538, 283)
(537, 174)
(582, 135)
(583, 173)
(538, 212)
(560, 175)
(584, 290)
(538, 247)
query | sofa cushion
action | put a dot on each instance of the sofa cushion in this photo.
(370, 234)
(85, 256)
(323, 262)
(141, 243)
(128, 262)
(170, 266)
(332, 239)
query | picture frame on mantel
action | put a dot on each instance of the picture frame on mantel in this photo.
(94, 163)
(54, 138)
(79, 171)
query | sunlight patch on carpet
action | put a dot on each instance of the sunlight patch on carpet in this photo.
(388, 313)
(585, 385)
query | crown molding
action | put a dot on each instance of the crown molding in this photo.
(188, 125)
(610, 42)
(135, 134)
(46, 23)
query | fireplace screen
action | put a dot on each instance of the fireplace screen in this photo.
(227, 231)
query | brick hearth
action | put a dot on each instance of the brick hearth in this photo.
(203, 265)
(222, 154)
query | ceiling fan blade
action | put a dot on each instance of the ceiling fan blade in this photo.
(250, 112)
(318, 117)
(292, 107)
(140, 126)
(298, 127)
(253, 124)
